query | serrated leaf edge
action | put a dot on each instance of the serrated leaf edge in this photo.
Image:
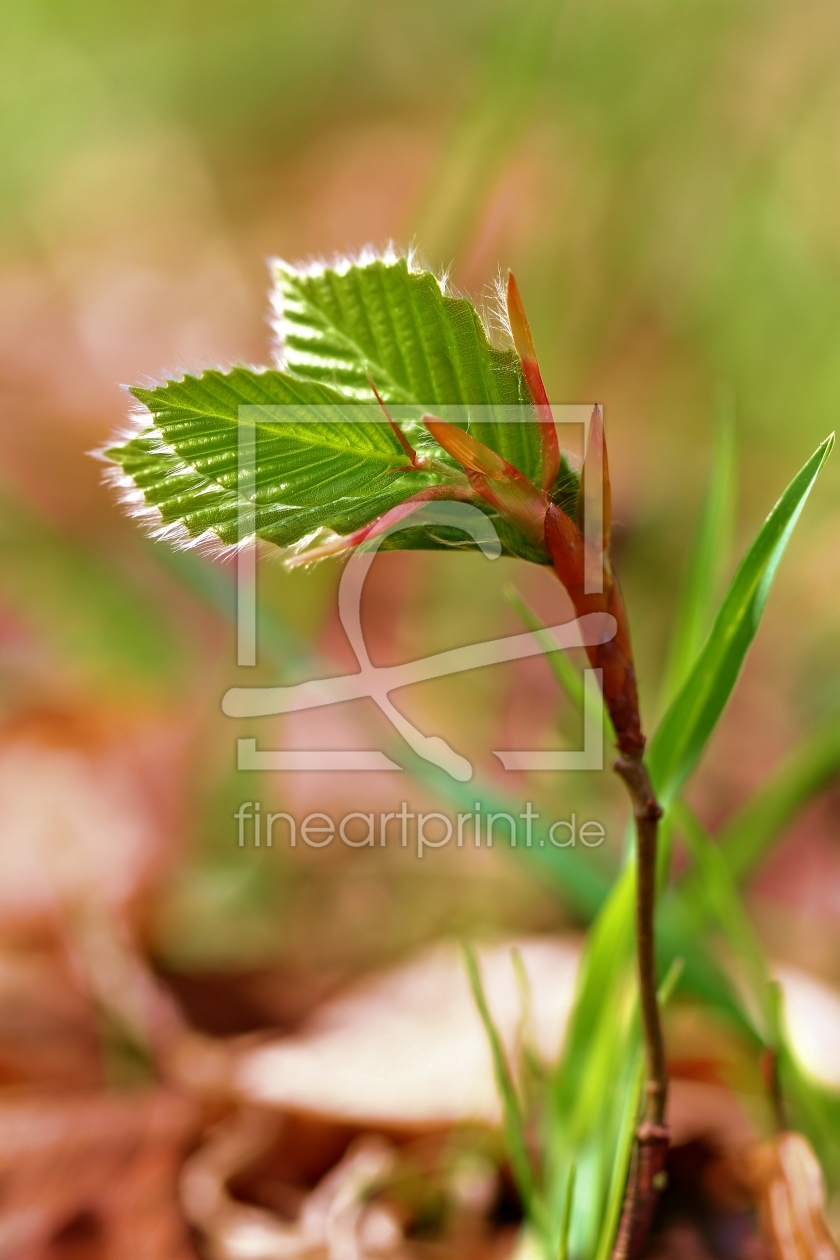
(140, 423)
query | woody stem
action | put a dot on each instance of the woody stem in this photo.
(647, 812)
(647, 1169)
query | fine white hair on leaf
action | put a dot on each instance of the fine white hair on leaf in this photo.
(177, 376)
(140, 423)
(174, 533)
(340, 264)
(135, 504)
(495, 312)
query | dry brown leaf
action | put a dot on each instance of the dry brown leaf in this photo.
(48, 1030)
(81, 840)
(407, 1048)
(786, 1180)
(113, 1158)
(335, 1221)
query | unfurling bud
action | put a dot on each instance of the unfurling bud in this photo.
(567, 547)
(524, 343)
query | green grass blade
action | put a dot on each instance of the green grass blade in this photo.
(702, 976)
(566, 1219)
(706, 566)
(596, 1074)
(627, 1132)
(684, 731)
(738, 847)
(513, 1120)
(596, 1035)
(713, 897)
(623, 1156)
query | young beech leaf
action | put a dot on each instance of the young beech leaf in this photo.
(309, 471)
(385, 319)
(330, 460)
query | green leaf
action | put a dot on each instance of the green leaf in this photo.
(739, 846)
(330, 459)
(592, 1074)
(386, 320)
(514, 1123)
(702, 976)
(627, 1130)
(597, 1092)
(706, 565)
(566, 1218)
(712, 898)
(597, 1078)
(319, 462)
(684, 731)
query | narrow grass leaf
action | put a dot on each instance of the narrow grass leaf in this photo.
(566, 1219)
(810, 1106)
(596, 1072)
(513, 1120)
(675, 750)
(684, 731)
(713, 898)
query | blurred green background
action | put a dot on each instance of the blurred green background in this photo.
(663, 179)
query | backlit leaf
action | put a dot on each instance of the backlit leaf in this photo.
(387, 320)
(318, 461)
